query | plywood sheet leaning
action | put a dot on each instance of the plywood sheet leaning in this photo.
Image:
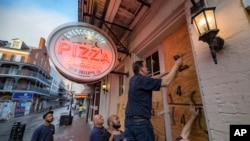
(157, 119)
(121, 106)
(185, 88)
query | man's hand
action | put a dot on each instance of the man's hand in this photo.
(187, 128)
(194, 113)
(179, 61)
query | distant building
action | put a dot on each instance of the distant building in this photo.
(63, 94)
(58, 90)
(24, 78)
(55, 83)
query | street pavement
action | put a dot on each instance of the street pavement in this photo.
(78, 131)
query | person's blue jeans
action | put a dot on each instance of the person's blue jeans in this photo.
(139, 130)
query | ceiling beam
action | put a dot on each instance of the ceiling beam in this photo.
(93, 16)
(123, 27)
(104, 13)
(144, 3)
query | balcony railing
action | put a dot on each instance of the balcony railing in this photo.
(16, 72)
(15, 87)
(53, 93)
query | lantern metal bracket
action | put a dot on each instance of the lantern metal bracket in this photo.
(215, 43)
(197, 6)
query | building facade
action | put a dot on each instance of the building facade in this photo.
(56, 83)
(220, 90)
(25, 79)
(63, 94)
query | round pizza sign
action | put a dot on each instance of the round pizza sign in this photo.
(81, 52)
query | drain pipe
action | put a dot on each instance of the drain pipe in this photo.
(168, 134)
(165, 112)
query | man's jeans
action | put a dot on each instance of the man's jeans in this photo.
(139, 130)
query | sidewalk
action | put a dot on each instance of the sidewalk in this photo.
(78, 131)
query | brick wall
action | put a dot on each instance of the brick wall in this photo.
(225, 86)
(40, 56)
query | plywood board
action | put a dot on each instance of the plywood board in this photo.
(185, 88)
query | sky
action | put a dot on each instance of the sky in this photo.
(30, 20)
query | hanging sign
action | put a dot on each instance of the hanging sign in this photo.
(22, 96)
(81, 52)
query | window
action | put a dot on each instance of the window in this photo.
(17, 58)
(2, 56)
(29, 85)
(36, 56)
(17, 44)
(42, 61)
(13, 70)
(153, 65)
(9, 84)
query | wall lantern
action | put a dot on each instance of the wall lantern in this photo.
(205, 24)
(104, 87)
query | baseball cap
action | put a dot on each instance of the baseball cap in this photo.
(45, 114)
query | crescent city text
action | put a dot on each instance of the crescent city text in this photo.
(85, 32)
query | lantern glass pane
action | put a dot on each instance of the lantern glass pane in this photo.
(195, 26)
(201, 23)
(211, 19)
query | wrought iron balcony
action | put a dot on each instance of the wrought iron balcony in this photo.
(10, 72)
(6, 87)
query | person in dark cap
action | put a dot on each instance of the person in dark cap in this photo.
(46, 131)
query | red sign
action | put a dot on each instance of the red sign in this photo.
(81, 52)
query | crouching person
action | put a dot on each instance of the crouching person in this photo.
(113, 128)
(99, 133)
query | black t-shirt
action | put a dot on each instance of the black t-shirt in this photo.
(119, 137)
(140, 95)
(43, 133)
(99, 134)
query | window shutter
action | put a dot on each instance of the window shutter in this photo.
(12, 57)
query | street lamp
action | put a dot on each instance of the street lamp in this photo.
(70, 117)
(71, 101)
(105, 87)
